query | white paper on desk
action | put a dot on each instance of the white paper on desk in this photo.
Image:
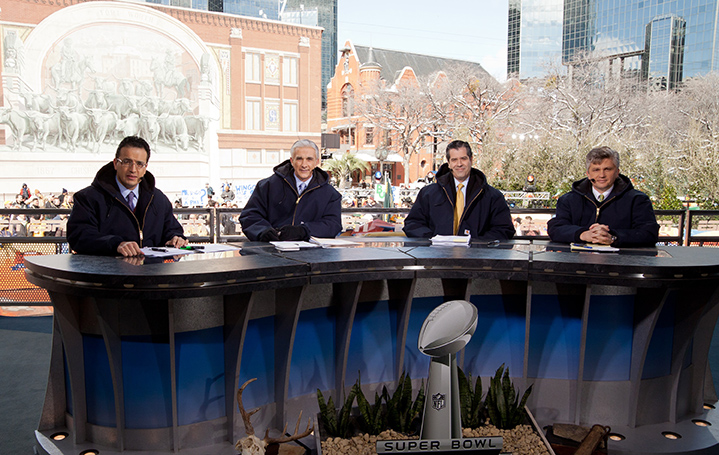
(292, 246)
(166, 252)
(450, 240)
(324, 243)
(593, 247)
(215, 247)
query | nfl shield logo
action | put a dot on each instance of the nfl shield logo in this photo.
(438, 401)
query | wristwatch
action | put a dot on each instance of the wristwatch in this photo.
(614, 238)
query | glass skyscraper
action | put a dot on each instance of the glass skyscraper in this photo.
(666, 41)
(534, 37)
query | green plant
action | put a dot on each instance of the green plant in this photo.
(470, 401)
(372, 418)
(336, 423)
(505, 409)
(346, 165)
(401, 410)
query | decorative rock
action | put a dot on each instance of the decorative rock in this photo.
(520, 440)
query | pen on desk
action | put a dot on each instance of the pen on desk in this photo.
(162, 250)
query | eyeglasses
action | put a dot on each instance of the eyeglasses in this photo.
(127, 162)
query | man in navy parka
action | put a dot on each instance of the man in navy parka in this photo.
(604, 208)
(104, 221)
(295, 202)
(485, 214)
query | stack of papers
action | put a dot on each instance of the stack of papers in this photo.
(334, 242)
(167, 251)
(450, 240)
(163, 252)
(593, 247)
(292, 246)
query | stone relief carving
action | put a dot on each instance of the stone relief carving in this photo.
(82, 107)
(13, 57)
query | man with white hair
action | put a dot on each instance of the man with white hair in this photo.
(295, 202)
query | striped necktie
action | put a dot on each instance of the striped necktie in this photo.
(131, 200)
(601, 198)
(302, 187)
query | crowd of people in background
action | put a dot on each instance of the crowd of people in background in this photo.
(41, 224)
(196, 225)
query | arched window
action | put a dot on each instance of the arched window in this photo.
(348, 95)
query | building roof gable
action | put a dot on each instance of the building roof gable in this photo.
(394, 62)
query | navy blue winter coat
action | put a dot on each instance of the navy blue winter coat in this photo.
(627, 212)
(101, 220)
(275, 203)
(486, 214)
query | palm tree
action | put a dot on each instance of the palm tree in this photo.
(345, 166)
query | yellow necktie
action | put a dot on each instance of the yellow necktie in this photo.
(458, 207)
(600, 198)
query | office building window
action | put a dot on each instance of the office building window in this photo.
(289, 71)
(253, 115)
(289, 119)
(252, 68)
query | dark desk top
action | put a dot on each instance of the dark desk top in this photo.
(261, 265)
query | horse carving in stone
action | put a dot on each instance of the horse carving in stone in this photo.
(169, 77)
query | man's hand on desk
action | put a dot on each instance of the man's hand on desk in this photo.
(176, 242)
(129, 249)
(269, 235)
(597, 233)
(291, 233)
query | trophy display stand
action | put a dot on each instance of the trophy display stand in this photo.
(446, 331)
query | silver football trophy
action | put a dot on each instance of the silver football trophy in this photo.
(447, 330)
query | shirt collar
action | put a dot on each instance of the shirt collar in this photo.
(124, 191)
(606, 193)
(464, 182)
(298, 181)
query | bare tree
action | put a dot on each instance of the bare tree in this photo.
(700, 158)
(402, 111)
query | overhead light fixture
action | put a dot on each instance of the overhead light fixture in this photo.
(59, 436)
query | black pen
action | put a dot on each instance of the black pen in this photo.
(162, 250)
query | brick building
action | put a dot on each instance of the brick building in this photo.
(359, 66)
(220, 97)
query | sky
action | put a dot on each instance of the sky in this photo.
(473, 30)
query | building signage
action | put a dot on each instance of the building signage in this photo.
(491, 445)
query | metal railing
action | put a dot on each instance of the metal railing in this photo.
(48, 226)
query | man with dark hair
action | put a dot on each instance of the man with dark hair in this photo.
(122, 211)
(294, 203)
(460, 202)
(604, 208)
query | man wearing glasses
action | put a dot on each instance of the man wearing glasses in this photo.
(122, 211)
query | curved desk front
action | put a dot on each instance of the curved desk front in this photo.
(148, 356)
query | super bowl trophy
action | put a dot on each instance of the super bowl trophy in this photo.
(447, 330)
